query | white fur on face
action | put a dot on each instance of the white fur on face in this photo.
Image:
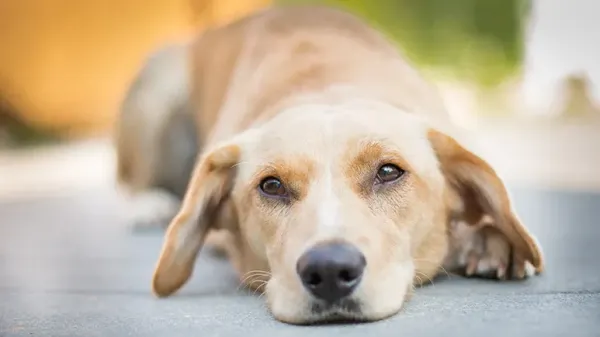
(328, 213)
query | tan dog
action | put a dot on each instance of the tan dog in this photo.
(328, 164)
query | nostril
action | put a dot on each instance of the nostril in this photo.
(346, 276)
(314, 280)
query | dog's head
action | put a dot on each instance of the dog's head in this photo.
(346, 204)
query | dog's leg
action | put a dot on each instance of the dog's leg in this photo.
(157, 202)
(151, 208)
(481, 250)
(156, 141)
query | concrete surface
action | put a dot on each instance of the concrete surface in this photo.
(70, 267)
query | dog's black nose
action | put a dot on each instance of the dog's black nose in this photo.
(331, 271)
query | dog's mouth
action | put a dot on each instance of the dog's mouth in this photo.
(340, 312)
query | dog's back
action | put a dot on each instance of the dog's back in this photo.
(246, 72)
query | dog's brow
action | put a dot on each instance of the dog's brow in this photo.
(365, 156)
(296, 172)
(370, 153)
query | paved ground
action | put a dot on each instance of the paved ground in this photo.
(69, 267)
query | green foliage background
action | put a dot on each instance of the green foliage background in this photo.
(474, 40)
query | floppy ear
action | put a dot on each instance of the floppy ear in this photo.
(475, 190)
(209, 185)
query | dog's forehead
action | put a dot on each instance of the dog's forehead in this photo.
(304, 125)
(327, 132)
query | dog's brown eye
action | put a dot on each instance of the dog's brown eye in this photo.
(273, 187)
(389, 173)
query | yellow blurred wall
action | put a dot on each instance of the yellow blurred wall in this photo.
(65, 64)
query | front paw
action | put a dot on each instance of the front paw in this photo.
(489, 256)
(152, 209)
(485, 252)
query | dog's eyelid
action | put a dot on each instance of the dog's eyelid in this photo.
(391, 158)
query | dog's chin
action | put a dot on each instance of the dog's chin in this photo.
(343, 311)
(347, 311)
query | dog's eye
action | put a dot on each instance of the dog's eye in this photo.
(389, 173)
(272, 186)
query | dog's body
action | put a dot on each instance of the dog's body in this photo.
(302, 114)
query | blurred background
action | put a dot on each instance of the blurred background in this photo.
(522, 75)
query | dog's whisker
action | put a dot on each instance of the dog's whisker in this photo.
(256, 281)
(434, 262)
(240, 286)
(247, 282)
(244, 283)
(256, 273)
(428, 279)
(245, 279)
(445, 271)
(252, 276)
(239, 163)
(263, 292)
(420, 280)
(257, 288)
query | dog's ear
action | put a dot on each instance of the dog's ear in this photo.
(208, 188)
(474, 190)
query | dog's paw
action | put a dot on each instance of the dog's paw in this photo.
(489, 256)
(152, 210)
(483, 251)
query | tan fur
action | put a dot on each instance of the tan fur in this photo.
(318, 99)
(158, 94)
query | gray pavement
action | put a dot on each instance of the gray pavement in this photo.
(70, 267)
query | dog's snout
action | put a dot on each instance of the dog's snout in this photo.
(331, 271)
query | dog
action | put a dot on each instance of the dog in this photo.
(304, 144)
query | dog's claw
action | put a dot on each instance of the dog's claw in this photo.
(471, 265)
(501, 272)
